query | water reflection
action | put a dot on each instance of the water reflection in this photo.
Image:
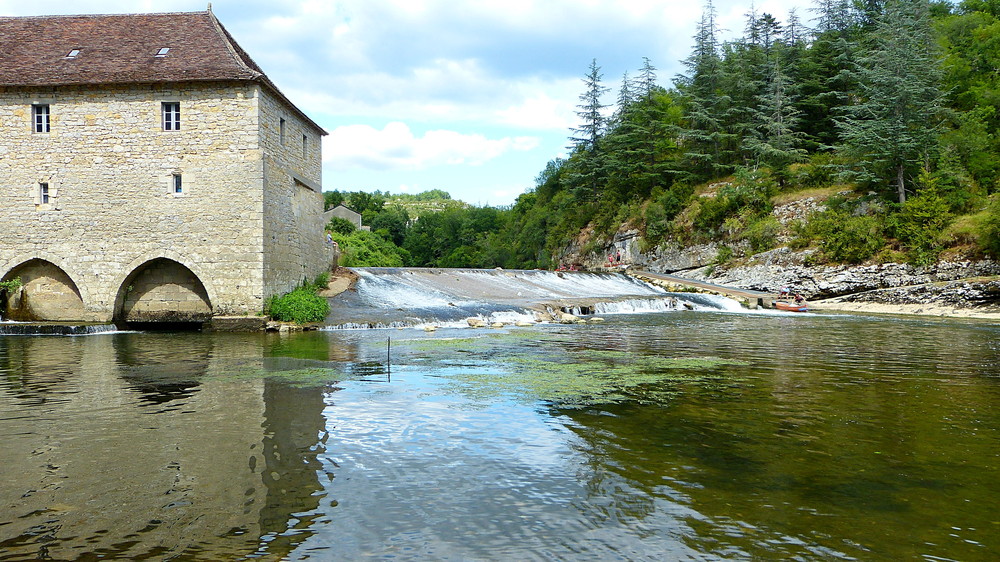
(816, 445)
(106, 470)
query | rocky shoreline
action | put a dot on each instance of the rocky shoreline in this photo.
(966, 288)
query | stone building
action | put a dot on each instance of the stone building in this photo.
(150, 172)
(344, 213)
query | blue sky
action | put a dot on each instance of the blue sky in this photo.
(470, 96)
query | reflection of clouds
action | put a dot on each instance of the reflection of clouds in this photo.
(423, 474)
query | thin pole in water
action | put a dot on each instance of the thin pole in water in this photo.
(388, 358)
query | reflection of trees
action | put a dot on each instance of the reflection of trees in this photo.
(293, 424)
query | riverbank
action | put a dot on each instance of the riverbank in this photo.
(965, 298)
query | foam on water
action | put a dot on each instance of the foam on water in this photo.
(386, 298)
(10, 328)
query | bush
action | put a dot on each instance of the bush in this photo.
(340, 225)
(763, 234)
(10, 285)
(367, 249)
(918, 226)
(301, 305)
(850, 239)
(989, 229)
(725, 254)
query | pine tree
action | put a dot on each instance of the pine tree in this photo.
(705, 139)
(894, 128)
(590, 166)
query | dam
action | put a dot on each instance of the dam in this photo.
(410, 297)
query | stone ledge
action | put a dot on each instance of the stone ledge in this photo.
(237, 324)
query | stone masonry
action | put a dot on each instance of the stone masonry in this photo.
(147, 224)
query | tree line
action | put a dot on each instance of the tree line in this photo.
(894, 100)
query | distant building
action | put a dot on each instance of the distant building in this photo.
(150, 171)
(344, 213)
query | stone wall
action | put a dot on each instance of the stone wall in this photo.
(112, 208)
(294, 240)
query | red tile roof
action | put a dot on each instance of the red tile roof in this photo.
(121, 49)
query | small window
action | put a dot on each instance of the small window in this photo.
(43, 193)
(178, 183)
(305, 145)
(40, 117)
(171, 116)
(281, 131)
(73, 54)
(162, 52)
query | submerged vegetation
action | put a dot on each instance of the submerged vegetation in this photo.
(890, 106)
(572, 377)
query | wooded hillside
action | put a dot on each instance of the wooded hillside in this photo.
(890, 105)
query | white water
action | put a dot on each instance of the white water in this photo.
(400, 297)
(12, 328)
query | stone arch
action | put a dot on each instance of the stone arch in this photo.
(47, 294)
(130, 269)
(162, 290)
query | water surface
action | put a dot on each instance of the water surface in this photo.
(681, 435)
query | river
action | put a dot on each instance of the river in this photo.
(687, 434)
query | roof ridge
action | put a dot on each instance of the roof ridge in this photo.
(104, 15)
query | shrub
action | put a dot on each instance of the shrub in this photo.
(367, 249)
(918, 226)
(725, 254)
(301, 305)
(763, 234)
(340, 225)
(989, 229)
(850, 239)
(10, 285)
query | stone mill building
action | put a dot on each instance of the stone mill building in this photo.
(149, 172)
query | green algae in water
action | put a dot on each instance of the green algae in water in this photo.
(598, 377)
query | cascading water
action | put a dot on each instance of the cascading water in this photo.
(398, 297)
(8, 328)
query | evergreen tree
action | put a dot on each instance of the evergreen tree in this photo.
(588, 169)
(706, 107)
(893, 129)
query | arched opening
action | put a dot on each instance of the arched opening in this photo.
(46, 294)
(162, 293)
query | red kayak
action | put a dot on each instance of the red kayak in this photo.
(791, 306)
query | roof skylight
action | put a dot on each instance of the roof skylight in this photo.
(162, 52)
(73, 54)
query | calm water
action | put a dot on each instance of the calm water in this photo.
(687, 435)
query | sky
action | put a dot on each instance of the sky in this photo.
(473, 97)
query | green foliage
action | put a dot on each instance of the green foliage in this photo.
(785, 109)
(367, 249)
(340, 225)
(762, 234)
(989, 229)
(301, 306)
(725, 254)
(918, 226)
(843, 235)
(10, 285)
(331, 199)
(749, 194)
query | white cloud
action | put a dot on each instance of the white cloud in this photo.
(395, 147)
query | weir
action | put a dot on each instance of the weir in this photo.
(398, 297)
